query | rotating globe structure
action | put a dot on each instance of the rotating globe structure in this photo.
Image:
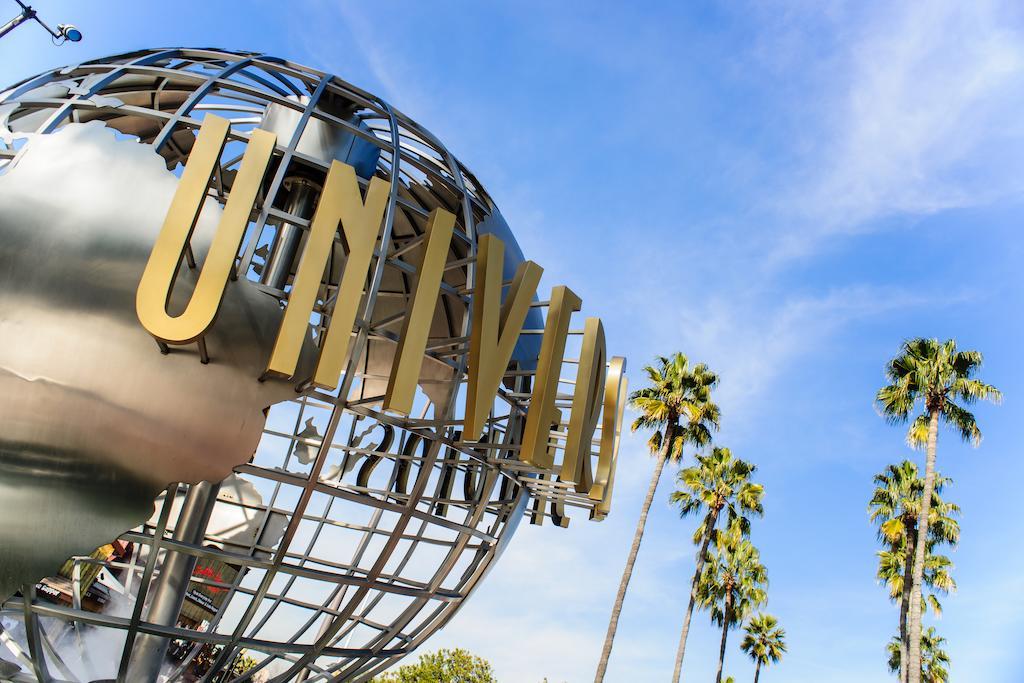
(172, 512)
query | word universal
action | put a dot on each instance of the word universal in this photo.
(497, 321)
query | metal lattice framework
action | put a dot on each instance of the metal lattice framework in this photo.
(369, 529)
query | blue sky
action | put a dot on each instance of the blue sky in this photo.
(785, 191)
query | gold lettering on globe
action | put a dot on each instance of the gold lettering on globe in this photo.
(599, 392)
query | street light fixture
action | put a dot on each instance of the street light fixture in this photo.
(64, 32)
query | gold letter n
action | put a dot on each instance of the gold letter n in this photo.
(360, 224)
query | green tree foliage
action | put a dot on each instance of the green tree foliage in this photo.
(718, 482)
(941, 380)
(678, 407)
(934, 660)
(443, 666)
(894, 507)
(764, 642)
(732, 585)
(937, 576)
(208, 655)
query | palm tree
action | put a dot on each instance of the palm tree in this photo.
(732, 585)
(936, 375)
(895, 506)
(937, 577)
(679, 408)
(934, 659)
(765, 641)
(717, 482)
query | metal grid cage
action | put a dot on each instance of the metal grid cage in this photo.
(352, 534)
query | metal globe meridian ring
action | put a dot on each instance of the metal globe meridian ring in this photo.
(268, 523)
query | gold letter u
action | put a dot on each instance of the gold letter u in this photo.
(157, 282)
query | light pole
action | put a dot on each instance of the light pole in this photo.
(63, 33)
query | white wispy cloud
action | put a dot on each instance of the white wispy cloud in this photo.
(752, 347)
(918, 94)
(918, 109)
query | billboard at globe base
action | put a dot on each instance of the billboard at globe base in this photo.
(224, 267)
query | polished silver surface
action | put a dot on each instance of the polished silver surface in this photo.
(92, 413)
(345, 536)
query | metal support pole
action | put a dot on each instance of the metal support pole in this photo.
(169, 591)
(26, 14)
(302, 196)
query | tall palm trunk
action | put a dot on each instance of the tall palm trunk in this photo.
(914, 647)
(613, 623)
(757, 671)
(908, 568)
(726, 618)
(709, 526)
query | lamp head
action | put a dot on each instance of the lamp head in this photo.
(69, 32)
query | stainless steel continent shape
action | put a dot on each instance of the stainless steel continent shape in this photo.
(96, 421)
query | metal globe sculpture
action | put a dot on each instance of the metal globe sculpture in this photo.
(174, 505)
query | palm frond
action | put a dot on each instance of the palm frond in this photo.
(963, 422)
(917, 435)
(678, 399)
(934, 375)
